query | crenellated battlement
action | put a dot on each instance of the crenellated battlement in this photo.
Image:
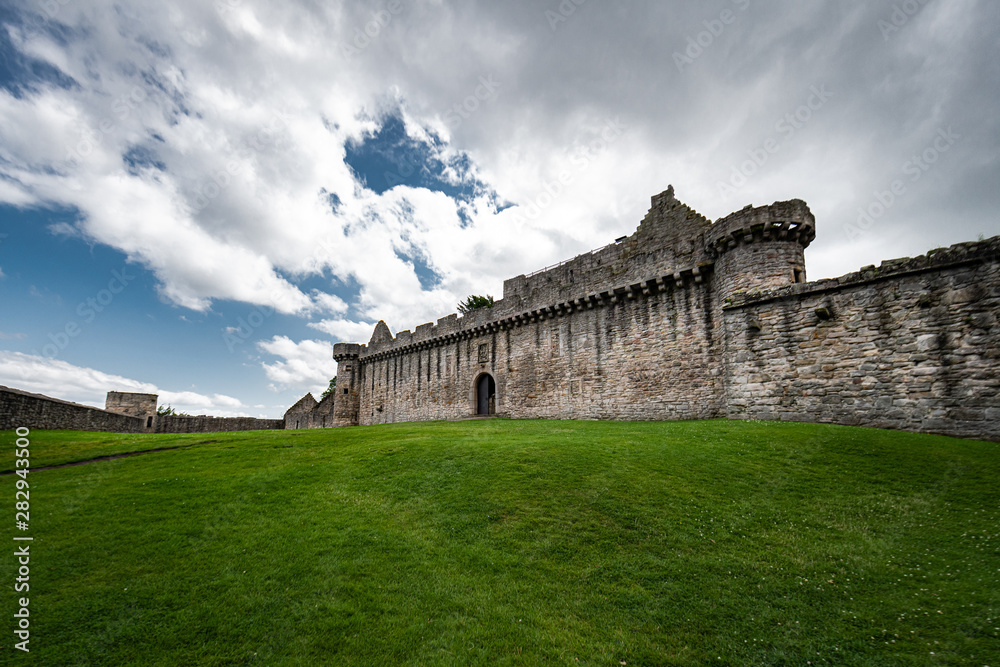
(345, 351)
(673, 246)
(669, 239)
(488, 321)
(781, 221)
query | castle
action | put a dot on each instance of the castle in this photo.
(684, 319)
(690, 319)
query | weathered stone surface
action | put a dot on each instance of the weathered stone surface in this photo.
(207, 424)
(35, 411)
(135, 405)
(929, 371)
(125, 413)
(686, 319)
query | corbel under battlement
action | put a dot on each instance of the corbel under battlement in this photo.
(427, 338)
(781, 221)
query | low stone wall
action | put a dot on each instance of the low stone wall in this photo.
(35, 411)
(21, 408)
(912, 345)
(205, 424)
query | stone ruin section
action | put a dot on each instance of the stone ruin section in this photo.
(300, 415)
(913, 344)
(628, 331)
(134, 405)
(689, 319)
(125, 413)
(339, 407)
(36, 411)
(308, 413)
(209, 424)
(144, 407)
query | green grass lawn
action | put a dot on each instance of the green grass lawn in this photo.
(512, 542)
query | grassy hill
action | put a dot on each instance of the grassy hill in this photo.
(512, 542)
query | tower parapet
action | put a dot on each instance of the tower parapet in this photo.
(761, 248)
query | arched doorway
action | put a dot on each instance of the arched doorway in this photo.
(486, 395)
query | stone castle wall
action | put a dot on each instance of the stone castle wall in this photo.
(687, 319)
(134, 405)
(669, 240)
(628, 331)
(623, 354)
(913, 344)
(642, 355)
(35, 411)
(206, 424)
(683, 319)
(307, 413)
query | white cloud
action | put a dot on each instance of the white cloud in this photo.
(60, 379)
(11, 193)
(190, 402)
(345, 331)
(237, 213)
(247, 107)
(324, 304)
(307, 365)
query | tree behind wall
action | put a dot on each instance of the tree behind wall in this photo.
(475, 302)
(330, 389)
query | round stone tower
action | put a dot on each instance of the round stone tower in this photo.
(348, 401)
(761, 248)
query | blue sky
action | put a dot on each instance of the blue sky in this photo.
(198, 199)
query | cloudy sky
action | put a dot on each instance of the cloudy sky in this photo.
(198, 198)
